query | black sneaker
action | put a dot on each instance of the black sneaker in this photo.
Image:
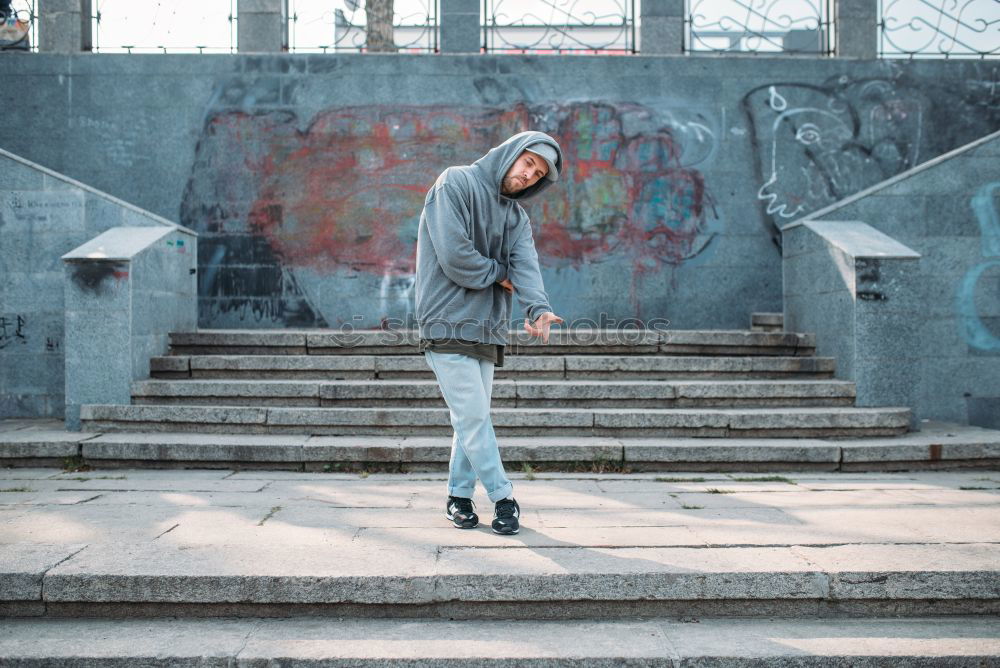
(461, 512)
(505, 515)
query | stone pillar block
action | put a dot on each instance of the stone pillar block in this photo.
(856, 289)
(64, 26)
(856, 28)
(125, 291)
(260, 26)
(461, 30)
(661, 27)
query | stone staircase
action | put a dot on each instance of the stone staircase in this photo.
(612, 566)
(588, 400)
(591, 383)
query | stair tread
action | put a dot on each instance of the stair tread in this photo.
(237, 382)
(752, 410)
(487, 568)
(736, 642)
(938, 442)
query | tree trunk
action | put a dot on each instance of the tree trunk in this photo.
(380, 38)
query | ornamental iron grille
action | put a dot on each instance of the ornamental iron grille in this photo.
(939, 28)
(559, 26)
(341, 25)
(759, 26)
(166, 26)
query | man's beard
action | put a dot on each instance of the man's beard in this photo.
(511, 185)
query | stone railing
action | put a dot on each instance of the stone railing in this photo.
(853, 287)
(125, 291)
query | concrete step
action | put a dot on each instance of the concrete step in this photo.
(725, 643)
(506, 393)
(470, 574)
(781, 422)
(561, 342)
(278, 543)
(611, 367)
(937, 445)
(767, 322)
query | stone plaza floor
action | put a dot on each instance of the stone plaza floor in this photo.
(172, 557)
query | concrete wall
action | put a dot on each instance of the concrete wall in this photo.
(42, 216)
(948, 210)
(305, 174)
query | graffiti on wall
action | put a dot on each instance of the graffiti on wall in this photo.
(816, 144)
(974, 331)
(287, 214)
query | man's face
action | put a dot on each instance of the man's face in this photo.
(526, 170)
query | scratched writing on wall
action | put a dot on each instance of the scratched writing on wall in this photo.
(12, 331)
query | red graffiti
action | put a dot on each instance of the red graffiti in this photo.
(346, 192)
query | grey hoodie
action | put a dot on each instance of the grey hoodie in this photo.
(469, 237)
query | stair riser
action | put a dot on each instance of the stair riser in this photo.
(498, 373)
(551, 349)
(805, 608)
(430, 430)
(711, 402)
(339, 464)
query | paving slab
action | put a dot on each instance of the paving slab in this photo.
(949, 497)
(731, 498)
(840, 525)
(112, 483)
(26, 473)
(107, 524)
(177, 499)
(597, 518)
(201, 475)
(305, 495)
(251, 528)
(344, 494)
(29, 493)
(321, 517)
(43, 424)
(483, 536)
(676, 484)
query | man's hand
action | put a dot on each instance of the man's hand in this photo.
(541, 326)
(507, 285)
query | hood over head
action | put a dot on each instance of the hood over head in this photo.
(492, 167)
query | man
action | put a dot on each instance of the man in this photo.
(474, 250)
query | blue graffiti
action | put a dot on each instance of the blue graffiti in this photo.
(973, 330)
